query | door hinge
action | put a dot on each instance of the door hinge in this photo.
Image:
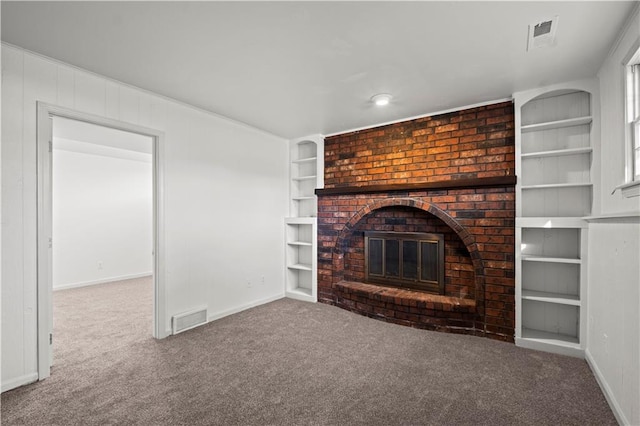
(51, 338)
(50, 146)
(50, 242)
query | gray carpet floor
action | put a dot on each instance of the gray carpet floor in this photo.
(289, 363)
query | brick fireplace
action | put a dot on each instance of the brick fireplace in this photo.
(450, 175)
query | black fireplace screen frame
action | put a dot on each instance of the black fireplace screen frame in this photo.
(426, 275)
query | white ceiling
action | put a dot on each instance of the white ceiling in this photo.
(298, 68)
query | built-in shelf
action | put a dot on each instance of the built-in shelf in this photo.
(550, 259)
(301, 292)
(578, 121)
(306, 174)
(304, 160)
(554, 166)
(299, 243)
(550, 338)
(548, 297)
(301, 267)
(550, 222)
(557, 185)
(557, 153)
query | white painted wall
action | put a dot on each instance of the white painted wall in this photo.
(614, 249)
(613, 345)
(225, 193)
(102, 218)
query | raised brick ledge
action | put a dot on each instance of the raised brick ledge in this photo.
(409, 298)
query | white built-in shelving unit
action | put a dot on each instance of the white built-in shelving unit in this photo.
(301, 257)
(555, 131)
(306, 174)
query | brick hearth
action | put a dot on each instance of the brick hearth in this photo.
(451, 174)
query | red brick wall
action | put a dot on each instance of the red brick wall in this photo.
(473, 143)
(469, 144)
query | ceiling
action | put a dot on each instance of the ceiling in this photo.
(299, 68)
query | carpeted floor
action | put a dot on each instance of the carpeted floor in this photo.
(289, 363)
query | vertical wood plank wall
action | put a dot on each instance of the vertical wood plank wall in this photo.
(218, 175)
(613, 346)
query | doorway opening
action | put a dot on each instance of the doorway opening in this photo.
(102, 222)
(99, 225)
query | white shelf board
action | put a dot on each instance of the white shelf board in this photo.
(306, 197)
(579, 121)
(549, 259)
(548, 297)
(557, 153)
(557, 185)
(301, 290)
(299, 243)
(551, 338)
(305, 178)
(550, 342)
(550, 222)
(300, 267)
(304, 160)
(294, 221)
(300, 293)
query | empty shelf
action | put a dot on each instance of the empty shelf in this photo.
(536, 258)
(557, 152)
(551, 338)
(305, 160)
(557, 185)
(579, 121)
(304, 178)
(300, 266)
(544, 296)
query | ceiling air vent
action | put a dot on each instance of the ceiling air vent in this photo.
(543, 33)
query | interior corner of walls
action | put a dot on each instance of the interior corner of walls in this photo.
(606, 389)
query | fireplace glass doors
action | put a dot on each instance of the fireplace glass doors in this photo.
(414, 260)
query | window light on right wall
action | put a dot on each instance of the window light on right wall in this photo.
(632, 123)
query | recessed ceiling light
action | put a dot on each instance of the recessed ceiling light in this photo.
(381, 99)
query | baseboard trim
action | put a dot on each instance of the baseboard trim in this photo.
(218, 315)
(19, 381)
(606, 390)
(101, 281)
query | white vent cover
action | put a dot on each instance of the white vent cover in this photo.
(543, 33)
(188, 320)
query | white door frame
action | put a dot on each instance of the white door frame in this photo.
(44, 205)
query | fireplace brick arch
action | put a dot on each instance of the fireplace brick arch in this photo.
(338, 252)
(482, 218)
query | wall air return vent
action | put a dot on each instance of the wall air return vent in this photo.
(542, 33)
(188, 320)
